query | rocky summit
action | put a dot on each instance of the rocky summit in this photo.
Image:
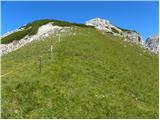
(105, 25)
(152, 43)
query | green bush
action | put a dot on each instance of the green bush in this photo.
(14, 36)
(126, 30)
(114, 30)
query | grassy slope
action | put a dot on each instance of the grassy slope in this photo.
(91, 76)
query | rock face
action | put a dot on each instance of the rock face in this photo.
(105, 25)
(133, 37)
(43, 32)
(152, 43)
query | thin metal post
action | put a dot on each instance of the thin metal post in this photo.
(40, 64)
(59, 37)
(51, 52)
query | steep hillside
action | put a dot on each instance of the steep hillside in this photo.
(89, 74)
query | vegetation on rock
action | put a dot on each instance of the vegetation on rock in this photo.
(32, 28)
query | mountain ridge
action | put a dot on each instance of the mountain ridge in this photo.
(30, 29)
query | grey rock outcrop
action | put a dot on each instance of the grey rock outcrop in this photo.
(105, 25)
(152, 43)
(133, 37)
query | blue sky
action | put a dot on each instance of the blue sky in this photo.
(140, 16)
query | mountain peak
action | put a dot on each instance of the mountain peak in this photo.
(100, 20)
(100, 24)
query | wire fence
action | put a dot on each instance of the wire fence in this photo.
(39, 62)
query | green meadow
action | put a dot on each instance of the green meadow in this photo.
(90, 75)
